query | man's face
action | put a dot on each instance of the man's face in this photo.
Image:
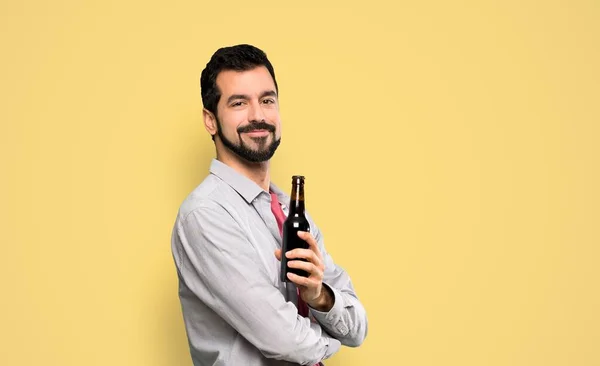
(248, 113)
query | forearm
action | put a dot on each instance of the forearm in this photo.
(325, 301)
(298, 345)
(346, 320)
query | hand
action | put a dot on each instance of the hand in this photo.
(311, 287)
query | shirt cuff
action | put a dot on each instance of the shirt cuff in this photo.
(332, 319)
(332, 348)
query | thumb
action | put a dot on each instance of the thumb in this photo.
(278, 254)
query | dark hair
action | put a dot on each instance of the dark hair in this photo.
(241, 57)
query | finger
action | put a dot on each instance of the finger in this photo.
(278, 254)
(312, 243)
(307, 254)
(304, 283)
(312, 270)
(299, 280)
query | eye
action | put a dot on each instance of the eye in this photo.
(269, 101)
(236, 104)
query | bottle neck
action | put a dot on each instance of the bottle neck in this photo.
(297, 199)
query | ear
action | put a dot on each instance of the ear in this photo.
(210, 121)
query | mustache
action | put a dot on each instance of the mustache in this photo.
(256, 126)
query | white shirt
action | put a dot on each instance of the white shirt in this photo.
(236, 310)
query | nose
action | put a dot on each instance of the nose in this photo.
(255, 113)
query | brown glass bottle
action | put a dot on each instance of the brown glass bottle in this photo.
(295, 221)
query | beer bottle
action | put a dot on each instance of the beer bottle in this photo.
(295, 221)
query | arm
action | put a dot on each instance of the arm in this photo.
(347, 319)
(222, 268)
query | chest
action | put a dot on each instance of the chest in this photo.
(259, 225)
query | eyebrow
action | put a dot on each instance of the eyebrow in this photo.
(268, 93)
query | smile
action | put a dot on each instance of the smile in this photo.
(258, 133)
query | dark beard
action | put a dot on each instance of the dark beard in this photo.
(263, 153)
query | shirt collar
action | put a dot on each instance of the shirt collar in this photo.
(242, 184)
(283, 198)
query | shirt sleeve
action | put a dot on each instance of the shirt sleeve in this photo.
(347, 319)
(221, 267)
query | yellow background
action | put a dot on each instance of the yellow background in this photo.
(450, 149)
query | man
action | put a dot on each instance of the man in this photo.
(226, 240)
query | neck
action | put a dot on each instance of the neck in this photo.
(257, 172)
(296, 207)
(297, 199)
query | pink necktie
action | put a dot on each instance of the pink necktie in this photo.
(280, 218)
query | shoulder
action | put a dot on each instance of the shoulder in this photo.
(209, 197)
(207, 217)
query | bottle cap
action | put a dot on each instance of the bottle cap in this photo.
(298, 178)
